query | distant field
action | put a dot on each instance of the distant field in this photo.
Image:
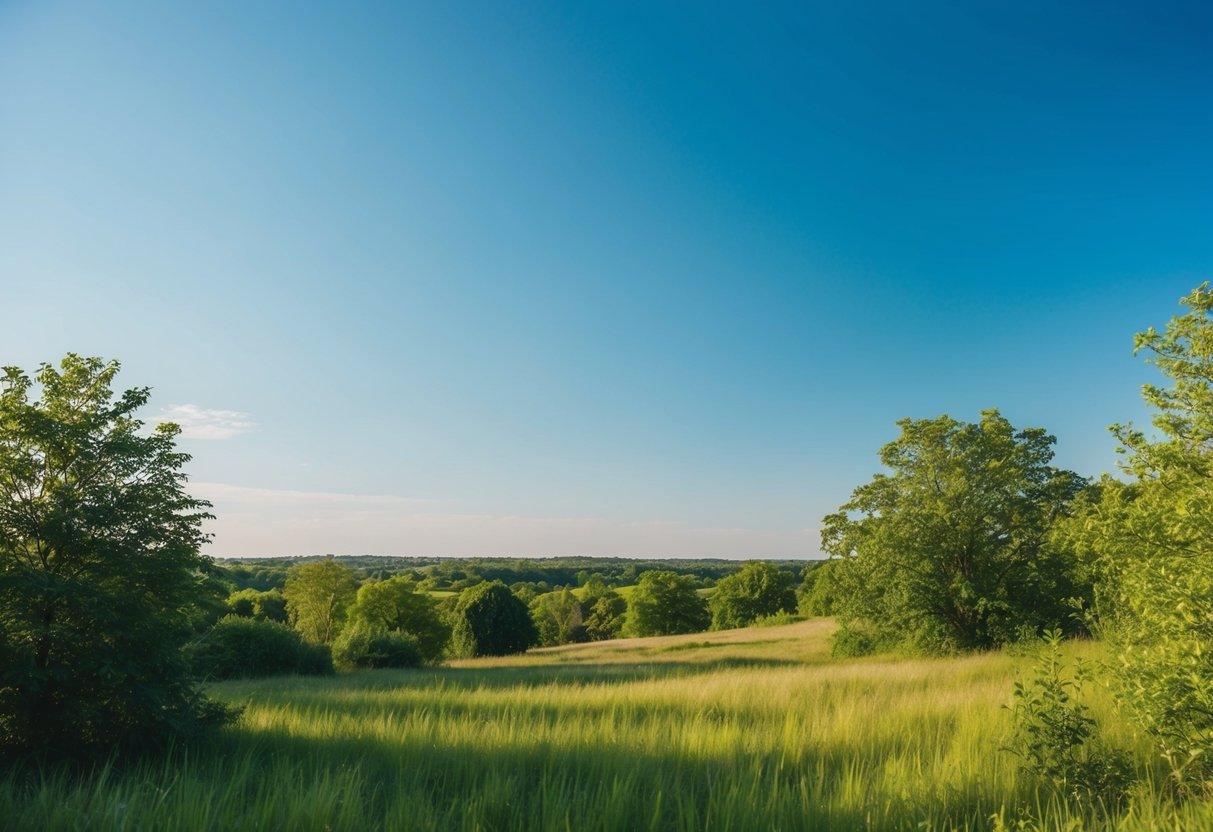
(745, 729)
(625, 592)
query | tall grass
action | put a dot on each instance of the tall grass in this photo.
(751, 729)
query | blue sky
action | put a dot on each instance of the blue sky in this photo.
(610, 278)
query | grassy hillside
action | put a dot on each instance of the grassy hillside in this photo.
(743, 729)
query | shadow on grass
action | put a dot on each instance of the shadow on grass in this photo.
(472, 678)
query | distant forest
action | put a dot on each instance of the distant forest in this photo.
(457, 574)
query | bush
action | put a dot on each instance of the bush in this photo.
(395, 605)
(779, 619)
(489, 620)
(853, 640)
(1054, 733)
(250, 603)
(244, 648)
(360, 646)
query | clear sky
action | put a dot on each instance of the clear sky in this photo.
(595, 278)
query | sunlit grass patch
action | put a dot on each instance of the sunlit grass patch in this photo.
(740, 729)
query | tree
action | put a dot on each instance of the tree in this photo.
(318, 596)
(666, 603)
(395, 606)
(756, 590)
(99, 566)
(602, 609)
(817, 594)
(489, 620)
(1151, 540)
(557, 617)
(605, 619)
(951, 549)
(263, 606)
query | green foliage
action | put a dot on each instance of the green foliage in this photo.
(489, 620)
(951, 550)
(1152, 541)
(1054, 734)
(558, 618)
(263, 606)
(759, 589)
(665, 603)
(604, 614)
(99, 567)
(246, 648)
(817, 594)
(364, 646)
(856, 639)
(395, 606)
(318, 597)
(778, 619)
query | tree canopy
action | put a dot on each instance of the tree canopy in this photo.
(318, 597)
(758, 589)
(665, 603)
(558, 618)
(99, 565)
(489, 620)
(951, 549)
(395, 606)
(1152, 542)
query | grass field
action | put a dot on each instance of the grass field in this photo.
(746, 729)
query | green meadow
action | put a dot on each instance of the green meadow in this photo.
(744, 729)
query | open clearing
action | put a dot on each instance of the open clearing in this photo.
(741, 729)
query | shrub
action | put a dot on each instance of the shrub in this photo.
(778, 619)
(1054, 732)
(396, 606)
(360, 646)
(251, 603)
(853, 639)
(246, 648)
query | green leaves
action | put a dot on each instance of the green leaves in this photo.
(99, 553)
(318, 597)
(1151, 543)
(665, 603)
(758, 589)
(951, 549)
(489, 620)
(1054, 735)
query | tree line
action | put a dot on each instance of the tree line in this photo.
(395, 622)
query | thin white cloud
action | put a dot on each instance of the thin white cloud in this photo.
(203, 423)
(262, 521)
